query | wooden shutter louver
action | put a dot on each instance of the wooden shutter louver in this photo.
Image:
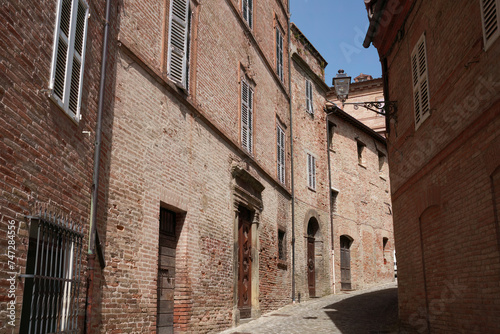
(178, 42)
(246, 116)
(279, 53)
(420, 82)
(69, 55)
(281, 154)
(490, 11)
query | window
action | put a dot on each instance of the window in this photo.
(52, 280)
(311, 171)
(167, 222)
(68, 56)
(281, 245)
(309, 97)
(247, 10)
(335, 194)
(331, 132)
(280, 154)
(246, 116)
(279, 53)
(381, 161)
(361, 149)
(490, 12)
(420, 82)
(178, 43)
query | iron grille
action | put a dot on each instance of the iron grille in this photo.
(52, 279)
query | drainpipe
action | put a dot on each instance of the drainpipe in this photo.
(330, 196)
(95, 184)
(291, 154)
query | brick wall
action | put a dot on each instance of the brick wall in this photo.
(446, 229)
(45, 156)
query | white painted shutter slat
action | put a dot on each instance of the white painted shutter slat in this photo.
(178, 42)
(420, 82)
(490, 12)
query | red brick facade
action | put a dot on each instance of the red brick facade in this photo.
(444, 169)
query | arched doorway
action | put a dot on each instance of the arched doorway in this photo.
(312, 230)
(345, 262)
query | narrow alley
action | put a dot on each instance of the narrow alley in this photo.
(369, 311)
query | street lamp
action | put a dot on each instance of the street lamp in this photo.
(342, 83)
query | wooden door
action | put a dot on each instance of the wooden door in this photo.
(345, 263)
(166, 273)
(311, 275)
(244, 264)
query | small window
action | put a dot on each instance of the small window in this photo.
(384, 246)
(68, 56)
(309, 97)
(279, 53)
(247, 11)
(490, 15)
(420, 82)
(361, 150)
(331, 132)
(178, 43)
(334, 195)
(280, 152)
(281, 245)
(381, 161)
(246, 116)
(311, 171)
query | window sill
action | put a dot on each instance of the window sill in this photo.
(362, 165)
(383, 178)
(54, 100)
(311, 189)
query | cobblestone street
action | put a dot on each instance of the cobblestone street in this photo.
(370, 311)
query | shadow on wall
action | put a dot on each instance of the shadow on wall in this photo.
(375, 312)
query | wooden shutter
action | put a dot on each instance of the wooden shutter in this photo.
(420, 82)
(490, 11)
(311, 171)
(178, 33)
(279, 53)
(68, 57)
(281, 154)
(246, 116)
(309, 104)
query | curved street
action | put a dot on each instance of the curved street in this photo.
(370, 311)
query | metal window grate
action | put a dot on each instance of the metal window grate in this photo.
(52, 279)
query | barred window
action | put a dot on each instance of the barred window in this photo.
(52, 279)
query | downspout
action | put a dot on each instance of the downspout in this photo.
(95, 182)
(291, 154)
(332, 236)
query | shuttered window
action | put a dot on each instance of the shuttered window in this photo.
(246, 116)
(309, 97)
(420, 82)
(279, 53)
(69, 55)
(490, 11)
(311, 171)
(178, 42)
(280, 154)
(247, 10)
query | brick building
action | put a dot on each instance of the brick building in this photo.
(50, 70)
(363, 89)
(441, 64)
(349, 197)
(150, 183)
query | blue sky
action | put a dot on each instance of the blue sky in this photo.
(337, 29)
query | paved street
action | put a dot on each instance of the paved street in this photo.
(368, 311)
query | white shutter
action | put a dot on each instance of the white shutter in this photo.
(246, 116)
(68, 56)
(178, 42)
(490, 11)
(313, 163)
(281, 154)
(279, 53)
(420, 82)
